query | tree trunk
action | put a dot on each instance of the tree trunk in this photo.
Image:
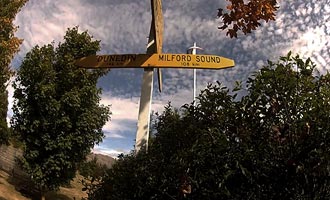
(42, 195)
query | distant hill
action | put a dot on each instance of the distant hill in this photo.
(8, 156)
(102, 159)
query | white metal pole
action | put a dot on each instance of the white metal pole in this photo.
(195, 86)
(193, 51)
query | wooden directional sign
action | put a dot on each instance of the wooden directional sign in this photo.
(154, 58)
(156, 61)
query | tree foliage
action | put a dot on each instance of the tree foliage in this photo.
(271, 144)
(56, 109)
(9, 45)
(92, 169)
(245, 16)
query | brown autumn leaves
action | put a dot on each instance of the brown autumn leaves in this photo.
(245, 16)
(9, 44)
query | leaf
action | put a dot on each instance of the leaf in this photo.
(246, 16)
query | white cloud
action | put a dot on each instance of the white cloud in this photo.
(122, 110)
(114, 135)
(109, 152)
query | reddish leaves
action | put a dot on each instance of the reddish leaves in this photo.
(246, 17)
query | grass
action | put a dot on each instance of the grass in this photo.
(15, 190)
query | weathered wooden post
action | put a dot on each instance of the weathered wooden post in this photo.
(155, 44)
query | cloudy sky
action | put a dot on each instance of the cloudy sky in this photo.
(302, 26)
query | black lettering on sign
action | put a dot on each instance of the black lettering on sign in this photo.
(209, 59)
(99, 58)
(164, 57)
(132, 57)
(161, 57)
(185, 64)
(174, 57)
(183, 57)
(110, 59)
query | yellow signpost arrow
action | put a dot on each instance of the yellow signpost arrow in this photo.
(188, 61)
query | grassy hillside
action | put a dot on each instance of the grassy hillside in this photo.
(16, 188)
(13, 189)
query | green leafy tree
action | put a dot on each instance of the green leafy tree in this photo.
(9, 45)
(56, 109)
(92, 169)
(273, 143)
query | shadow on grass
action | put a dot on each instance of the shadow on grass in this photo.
(28, 190)
(23, 184)
(55, 196)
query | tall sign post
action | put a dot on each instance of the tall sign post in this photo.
(154, 58)
(155, 44)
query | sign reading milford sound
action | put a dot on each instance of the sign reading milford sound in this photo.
(155, 61)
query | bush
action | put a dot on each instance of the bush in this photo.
(271, 144)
